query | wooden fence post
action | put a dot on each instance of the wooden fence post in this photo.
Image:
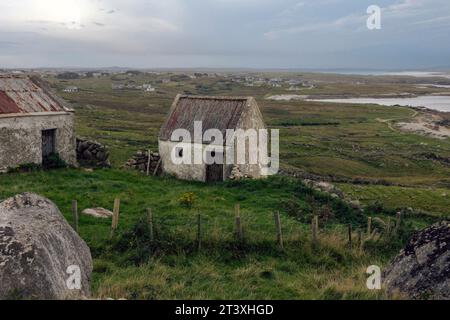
(350, 236)
(158, 164)
(369, 227)
(314, 229)
(239, 232)
(199, 232)
(316, 225)
(398, 221)
(360, 241)
(75, 215)
(150, 223)
(115, 218)
(148, 162)
(278, 228)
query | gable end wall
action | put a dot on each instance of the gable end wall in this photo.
(251, 119)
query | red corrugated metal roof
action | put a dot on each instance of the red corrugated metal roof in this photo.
(7, 105)
(25, 95)
(215, 113)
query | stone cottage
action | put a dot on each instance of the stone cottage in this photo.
(219, 113)
(34, 123)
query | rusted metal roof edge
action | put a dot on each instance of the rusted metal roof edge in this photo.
(35, 114)
(50, 92)
(38, 89)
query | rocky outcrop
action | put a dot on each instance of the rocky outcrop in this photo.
(422, 269)
(41, 256)
(91, 153)
(324, 187)
(140, 161)
(97, 213)
(298, 173)
(236, 174)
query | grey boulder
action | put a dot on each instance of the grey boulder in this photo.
(97, 213)
(422, 269)
(41, 256)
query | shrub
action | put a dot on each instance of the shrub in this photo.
(326, 213)
(53, 161)
(392, 234)
(187, 200)
(136, 246)
(26, 167)
(294, 208)
(375, 207)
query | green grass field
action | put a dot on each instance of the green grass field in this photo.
(171, 267)
(343, 142)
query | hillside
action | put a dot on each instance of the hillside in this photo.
(358, 146)
(131, 266)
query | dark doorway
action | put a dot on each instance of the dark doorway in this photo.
(214, 172)
(48, 142)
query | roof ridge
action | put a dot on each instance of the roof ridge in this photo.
(202, 97)
(13, 76)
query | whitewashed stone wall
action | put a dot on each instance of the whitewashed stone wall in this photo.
(21, 138)
(181, 171)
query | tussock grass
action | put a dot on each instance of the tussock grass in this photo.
(133, 267)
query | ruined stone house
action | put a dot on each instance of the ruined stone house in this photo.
(34, 123)
(220, 113)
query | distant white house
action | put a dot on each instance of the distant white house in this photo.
(117, 86)
(293, 82)
(148, 88)
(71, 89)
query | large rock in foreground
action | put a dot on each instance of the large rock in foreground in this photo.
(422, 269)
(40, 254)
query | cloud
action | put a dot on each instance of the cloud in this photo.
(353, 20)
(6, 44)
(265, 33)
(406, 5)
(434, 21)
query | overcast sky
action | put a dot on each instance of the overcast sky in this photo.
(224, 33)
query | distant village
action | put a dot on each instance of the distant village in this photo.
(246, 79)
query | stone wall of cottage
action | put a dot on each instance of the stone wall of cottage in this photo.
(21, 138)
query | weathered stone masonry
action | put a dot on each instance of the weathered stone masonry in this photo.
(21, 138)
